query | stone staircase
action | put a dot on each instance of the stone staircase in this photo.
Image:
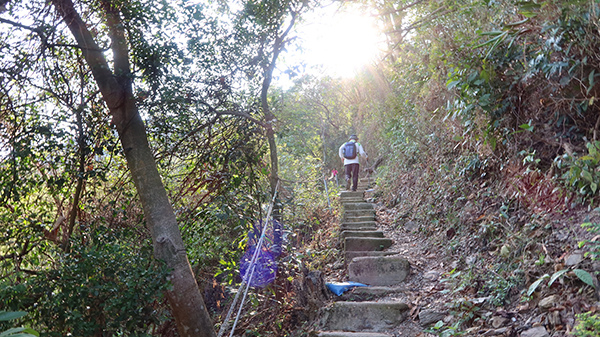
(366, 311)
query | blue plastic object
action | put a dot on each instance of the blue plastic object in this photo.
(340, 288)
(265, 268)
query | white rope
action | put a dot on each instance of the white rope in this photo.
(252, 268)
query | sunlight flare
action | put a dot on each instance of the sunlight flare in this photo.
(342, 42)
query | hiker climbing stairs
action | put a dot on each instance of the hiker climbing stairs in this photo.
(364, 311)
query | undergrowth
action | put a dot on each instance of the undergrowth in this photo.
(504, 173)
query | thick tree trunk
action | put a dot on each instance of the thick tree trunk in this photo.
(187, 304)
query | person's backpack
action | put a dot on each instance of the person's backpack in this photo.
(350, 150)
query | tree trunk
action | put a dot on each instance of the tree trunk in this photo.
(279, 43)
(270, 119)
(184, 298)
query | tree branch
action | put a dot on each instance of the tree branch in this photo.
(327, 113)
(401, 9)
(80, 180)
(108, 85)
(39, 31)
(431, 16)
(244, 115)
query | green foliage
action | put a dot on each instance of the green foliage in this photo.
(583, 275)
(498, 288)
(19, 332)
(592, 246)
(445, 331)
(106, 283)
(16, 332)
(471, 166)
(588, 325)
(582, 173)
(466, 311)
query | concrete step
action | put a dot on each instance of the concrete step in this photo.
(360, 217)
(358, 211)
(378, 270)
(363, 316)
(348, 256)
(370, 293)
(358, 234)
(351, 334)
(350, 194)
(350, 225)
(354, 206)
(352, 200)
(354, 228)
(366, 244)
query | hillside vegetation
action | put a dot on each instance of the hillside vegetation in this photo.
(481, 121)
(487, 122)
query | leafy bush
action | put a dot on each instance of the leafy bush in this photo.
(593, 246)
(16, 332)
(583, 275)
(582, 172)
(106, 284)
(588, 326)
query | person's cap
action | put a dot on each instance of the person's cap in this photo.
(355, 137)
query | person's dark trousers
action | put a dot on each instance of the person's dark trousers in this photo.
(352, 173)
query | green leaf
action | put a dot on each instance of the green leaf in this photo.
(528, 5)
(584, 276)
(19, 332)
(11, 331)
(513, 24)
(526, 126)
(452, 84)
(10, 315)
(535, 284)
(587, 176)
(492, 33)
(557, 275)
(528, 14)
(31, 332)
(494, 40)
(592, 149)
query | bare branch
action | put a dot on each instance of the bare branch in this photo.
(39, 31)
(242, 114)
(327, 113)
(111, 90)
